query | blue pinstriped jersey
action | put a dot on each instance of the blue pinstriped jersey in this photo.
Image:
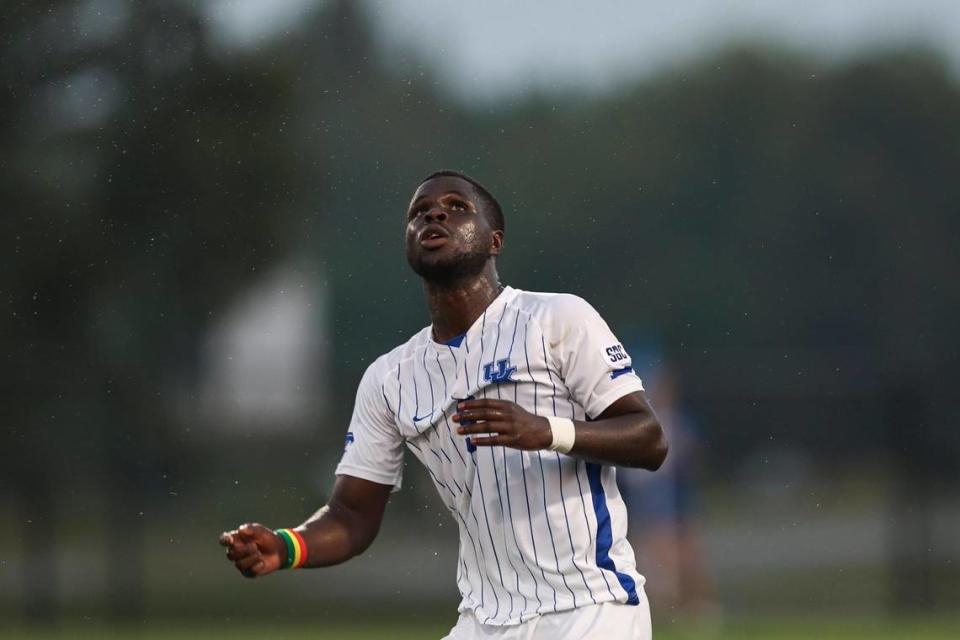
(539, 531)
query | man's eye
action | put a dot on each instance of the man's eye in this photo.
(458, 205)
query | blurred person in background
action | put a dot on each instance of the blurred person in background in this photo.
(664, 510)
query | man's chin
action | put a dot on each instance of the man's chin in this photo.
(448, 271)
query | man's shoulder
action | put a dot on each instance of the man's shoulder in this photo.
(550, 306)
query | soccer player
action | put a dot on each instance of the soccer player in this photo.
(520, 405)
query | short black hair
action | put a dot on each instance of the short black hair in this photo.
(489, 204)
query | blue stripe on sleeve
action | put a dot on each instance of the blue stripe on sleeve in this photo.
(619, 372)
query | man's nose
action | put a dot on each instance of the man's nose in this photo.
(435, 214)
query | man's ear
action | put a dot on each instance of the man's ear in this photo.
(497, 243)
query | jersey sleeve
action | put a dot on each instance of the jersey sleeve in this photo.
(373, 449)
(592, 362)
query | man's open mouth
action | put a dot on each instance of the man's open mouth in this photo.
(433, 237)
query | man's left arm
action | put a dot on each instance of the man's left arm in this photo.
(626, 434)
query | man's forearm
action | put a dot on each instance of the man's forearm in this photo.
(629, 440)
(334, 535)
(626, 434)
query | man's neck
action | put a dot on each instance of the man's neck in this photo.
(454, 309)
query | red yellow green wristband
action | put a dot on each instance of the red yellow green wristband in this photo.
(296, 549)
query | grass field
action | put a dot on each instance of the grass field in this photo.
(779, 629)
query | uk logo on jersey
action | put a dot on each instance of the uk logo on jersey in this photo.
(503, 372)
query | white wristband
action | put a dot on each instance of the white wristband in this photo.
(563, 434)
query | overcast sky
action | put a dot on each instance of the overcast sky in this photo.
(500, 47)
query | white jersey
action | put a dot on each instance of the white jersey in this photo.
(539, 531)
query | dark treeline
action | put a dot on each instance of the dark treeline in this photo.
(784, 230)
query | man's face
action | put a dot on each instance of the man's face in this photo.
(448, 238)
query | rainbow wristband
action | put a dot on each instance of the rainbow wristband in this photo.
(296, 549)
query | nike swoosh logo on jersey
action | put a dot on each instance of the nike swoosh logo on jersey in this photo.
(419, 418)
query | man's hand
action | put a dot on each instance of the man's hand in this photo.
(254, 549)
(515, 426)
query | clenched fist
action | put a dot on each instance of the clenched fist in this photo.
(254, 549)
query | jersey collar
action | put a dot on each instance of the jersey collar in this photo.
(502, 299)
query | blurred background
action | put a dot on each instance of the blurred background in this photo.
(202, 251)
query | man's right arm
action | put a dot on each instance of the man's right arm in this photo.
(371, 467)
(342, 529)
